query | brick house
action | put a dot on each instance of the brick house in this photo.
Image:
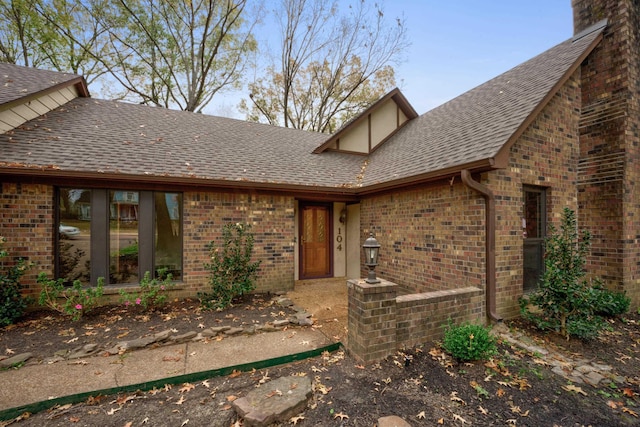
(459, 197)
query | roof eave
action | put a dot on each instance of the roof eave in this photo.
(63, 177)
(478, 166)
(79, 82)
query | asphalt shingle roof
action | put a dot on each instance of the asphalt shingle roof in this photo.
(19, 82)
(97, 136)
(108, 137)
(478, 123)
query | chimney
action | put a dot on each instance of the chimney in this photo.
(609, 132)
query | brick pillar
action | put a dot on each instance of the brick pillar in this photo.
(372, 319)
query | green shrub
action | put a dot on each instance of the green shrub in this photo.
(231, 272)
(609, 303)
(469, 342)
(12, 303)
(152, 293)
(565, 300)
(72, 301)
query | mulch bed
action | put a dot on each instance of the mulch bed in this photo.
(422, 385)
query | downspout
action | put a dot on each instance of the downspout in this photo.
(490, 240)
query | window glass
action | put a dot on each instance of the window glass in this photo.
(533, 214)
(168, 233)
(74, 234)
(123, 236)
(118, 234)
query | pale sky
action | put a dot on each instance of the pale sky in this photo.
(457, 45)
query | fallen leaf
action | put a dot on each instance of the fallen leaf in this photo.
(231, 398)
(146, 420)
(441, 421)
(9, 351)
(483, 411)
(180, 401)
(575, 389)
(206, 383)
(235, 374)
(129, 424)
(123, 399)
(76, 419)
(454, 398)
(112, 411)
(421, 415)
(341, 416)
(72, 340)
(295, 420)
(611, 404)
(500, 392)
(186, 387)
(628, 392)
(184, 423)
(274, 393)
(360, 366)
(629, 411)
(457, 417)
(264, 378)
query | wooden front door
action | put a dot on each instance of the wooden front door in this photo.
(315, 235)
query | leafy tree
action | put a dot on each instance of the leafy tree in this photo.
(565, 300)
(177, 54)
(20, 33)
(59, 35)
(332, 65)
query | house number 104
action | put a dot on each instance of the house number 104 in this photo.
(339, 239)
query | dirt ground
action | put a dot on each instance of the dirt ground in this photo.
(422, 384)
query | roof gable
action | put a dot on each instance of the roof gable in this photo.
(29, 93)
(475, 130)
(373, 127)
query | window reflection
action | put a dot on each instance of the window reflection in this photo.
(74, 234)
(168, 233)
(123, 236)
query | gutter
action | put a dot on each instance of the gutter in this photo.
(490, 241)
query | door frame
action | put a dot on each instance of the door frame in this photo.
(301, 206)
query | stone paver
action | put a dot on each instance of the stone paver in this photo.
(578, 371)
(274, 401)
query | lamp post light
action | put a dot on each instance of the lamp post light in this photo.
(371, 249)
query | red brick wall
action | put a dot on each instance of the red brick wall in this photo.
(610, 139)
(272, 221)
(27, 223)
(545, 155)
(431, 238)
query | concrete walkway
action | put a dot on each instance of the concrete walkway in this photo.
(36, 383)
